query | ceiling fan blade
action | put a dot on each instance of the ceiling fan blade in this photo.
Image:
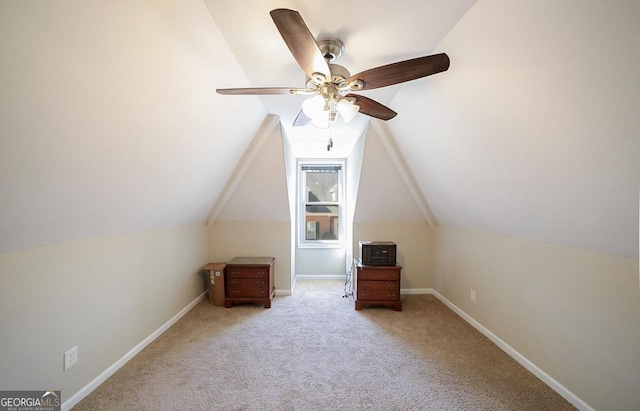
(372, 108)
(300, 41)
(301, 119)
(402, 71)
(260, 91)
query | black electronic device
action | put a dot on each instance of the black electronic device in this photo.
(378, 252)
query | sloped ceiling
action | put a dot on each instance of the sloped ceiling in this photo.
(534, 131)
(382, 185)
(261, 194)
(109, 122)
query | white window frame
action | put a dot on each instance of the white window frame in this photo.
(301, 197)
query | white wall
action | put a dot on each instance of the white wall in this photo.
(261, 192)
(415, 244)
(386, 211)
(382, 193)
(255, 220)
(320, 262)
(104, 295)
(229, 239)
(574, 313)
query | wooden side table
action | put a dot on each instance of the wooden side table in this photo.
(249, 280)
(377, 285)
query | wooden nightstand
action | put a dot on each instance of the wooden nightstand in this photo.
(377, 285)
(249, 280)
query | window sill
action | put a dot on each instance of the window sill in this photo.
(322, 244)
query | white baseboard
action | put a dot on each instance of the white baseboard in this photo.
(86, 390)
(321, 277)
(416, 291)
(546, 378)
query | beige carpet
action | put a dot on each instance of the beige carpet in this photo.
(313, 351)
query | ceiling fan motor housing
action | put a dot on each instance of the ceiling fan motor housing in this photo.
(331, 49)
(339, 74)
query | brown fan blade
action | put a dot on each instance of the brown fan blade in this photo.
(402, 71)
(372, 108)
(300, 41)
(259, 91)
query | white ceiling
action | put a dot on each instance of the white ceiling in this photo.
(109, 122)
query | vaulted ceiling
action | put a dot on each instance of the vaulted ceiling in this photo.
(110, 124)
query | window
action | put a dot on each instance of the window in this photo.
(321, 198)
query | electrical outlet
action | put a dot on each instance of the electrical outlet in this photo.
(473, 296)
(70, 358)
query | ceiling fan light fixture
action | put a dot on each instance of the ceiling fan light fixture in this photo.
(314, 107)
(321, 121)
(347, 109)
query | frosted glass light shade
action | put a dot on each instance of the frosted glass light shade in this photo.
(314, 106)
(347, 109)
(321, 121)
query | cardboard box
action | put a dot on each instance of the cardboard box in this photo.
(216, 282)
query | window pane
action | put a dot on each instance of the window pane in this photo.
(321, 222)
(322, 185)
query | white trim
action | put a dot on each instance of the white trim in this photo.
(87, 389)
(282, 293)
(321, 277)
(386, 137)
(546, 378)
(249, 155)
(416, 291)
(302, 202)
(323, 244)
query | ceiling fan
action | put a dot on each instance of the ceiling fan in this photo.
(331, 84)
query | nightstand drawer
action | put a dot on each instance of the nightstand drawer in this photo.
(247, 272)
(380, 274)
(376, 295)
(248, 293)
(381, 290)
(248, 283)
